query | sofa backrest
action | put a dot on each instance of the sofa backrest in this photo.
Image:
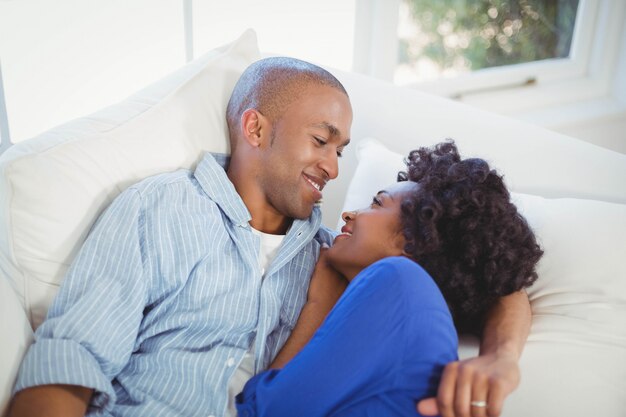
(54, 186)
(534, 160)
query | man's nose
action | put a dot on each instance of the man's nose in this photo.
(330, 164)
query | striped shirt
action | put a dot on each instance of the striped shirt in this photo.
(165, 298)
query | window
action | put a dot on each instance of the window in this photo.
(4, 123)
(451, 37)
(321, 31)
(388, 29)
(67, 58)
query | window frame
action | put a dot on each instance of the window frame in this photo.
(583, 74)
(5, 137)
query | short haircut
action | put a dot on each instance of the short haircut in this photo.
(271, 85)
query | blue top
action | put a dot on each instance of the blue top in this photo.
(380, 350)
(166, 296)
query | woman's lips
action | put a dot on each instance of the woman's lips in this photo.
(342, 236)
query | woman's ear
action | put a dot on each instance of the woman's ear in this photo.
(252, 126)
(399, 244)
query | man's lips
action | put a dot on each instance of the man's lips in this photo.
(317, 182)
(317, 185)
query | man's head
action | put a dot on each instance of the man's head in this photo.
(270, 85)
(288, 123)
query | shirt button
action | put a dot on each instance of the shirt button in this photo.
(230, 362)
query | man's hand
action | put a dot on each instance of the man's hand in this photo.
(490, 378)
(493, 375)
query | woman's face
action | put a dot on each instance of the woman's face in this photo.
(372, 233)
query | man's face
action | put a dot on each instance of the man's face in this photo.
(303, 152)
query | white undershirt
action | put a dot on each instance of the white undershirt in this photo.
(245, 371)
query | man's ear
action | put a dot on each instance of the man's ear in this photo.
(252, 125)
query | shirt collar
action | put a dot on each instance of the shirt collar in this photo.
(211, 175)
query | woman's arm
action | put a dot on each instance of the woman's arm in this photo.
(325, 288)
(358, 357)
(493, 375)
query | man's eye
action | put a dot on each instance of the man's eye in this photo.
(319, 140)
(339, 153)
(376, 202)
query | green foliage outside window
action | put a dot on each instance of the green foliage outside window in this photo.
(475, 34)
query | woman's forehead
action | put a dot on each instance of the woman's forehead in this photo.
(401, 187)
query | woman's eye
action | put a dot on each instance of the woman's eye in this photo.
(319, 141)
(339, 153)
(376, 202)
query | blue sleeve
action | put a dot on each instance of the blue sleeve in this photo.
(92, 325)
(358, 352)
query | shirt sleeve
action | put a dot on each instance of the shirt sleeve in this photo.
(91, 327)
(360, 349)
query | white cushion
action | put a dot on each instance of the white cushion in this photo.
(16, 337)
(57, 184)
(574, 363)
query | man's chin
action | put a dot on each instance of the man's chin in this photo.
(303, 213)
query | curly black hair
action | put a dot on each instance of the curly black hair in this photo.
(461, 227)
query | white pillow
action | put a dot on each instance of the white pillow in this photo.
(574, 363)
(16, 337)
(55, 186)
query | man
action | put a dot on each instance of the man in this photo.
(190, 282)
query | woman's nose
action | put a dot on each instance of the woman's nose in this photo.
(346, 216)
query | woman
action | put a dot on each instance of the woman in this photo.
(385, 342)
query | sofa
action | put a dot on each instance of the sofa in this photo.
(54, 186)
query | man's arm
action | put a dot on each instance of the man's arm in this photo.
(92, 324)
(51, 400)
(493, 375)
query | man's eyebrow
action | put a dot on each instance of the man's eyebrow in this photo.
(333, 130)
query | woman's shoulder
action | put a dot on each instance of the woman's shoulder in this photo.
(398, 272)
(403, 279)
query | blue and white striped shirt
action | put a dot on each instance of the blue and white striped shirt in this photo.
(166, 296)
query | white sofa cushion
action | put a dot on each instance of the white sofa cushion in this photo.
(574, 363)
(57, 184)
(16, 337)
(575, 359)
